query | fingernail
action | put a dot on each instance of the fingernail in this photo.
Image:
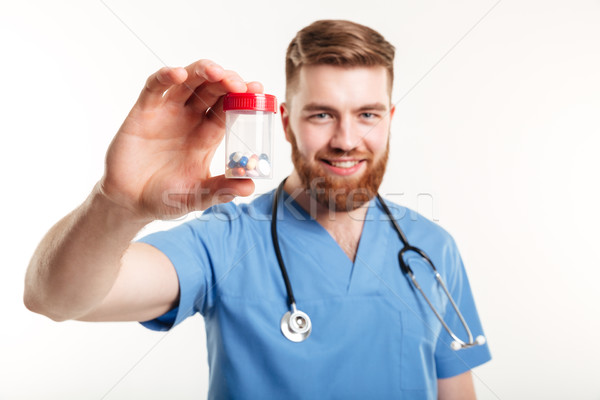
(215, 68)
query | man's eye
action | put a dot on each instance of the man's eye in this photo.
(321, 116)
(368, 115)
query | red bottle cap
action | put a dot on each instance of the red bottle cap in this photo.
(250, 101)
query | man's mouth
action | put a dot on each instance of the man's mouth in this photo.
(343, 167)
(342, 164)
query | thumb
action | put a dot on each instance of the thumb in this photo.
(218, 189)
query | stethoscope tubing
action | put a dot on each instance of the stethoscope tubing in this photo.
(275, 238)
(296, 333)
(406, 269)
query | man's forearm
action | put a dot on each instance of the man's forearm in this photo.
(458, 387)
(78, 260)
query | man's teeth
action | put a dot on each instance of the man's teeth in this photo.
(344, 164)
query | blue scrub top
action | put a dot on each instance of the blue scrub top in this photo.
(373, 334)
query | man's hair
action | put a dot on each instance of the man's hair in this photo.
(337, 42)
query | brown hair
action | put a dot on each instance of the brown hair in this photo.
(337, 42)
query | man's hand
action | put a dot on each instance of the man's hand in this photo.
(156, 167)
(158, 163)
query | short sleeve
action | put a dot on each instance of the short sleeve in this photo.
(454, 362)
(184, 248)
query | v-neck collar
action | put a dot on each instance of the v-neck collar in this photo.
(333, 263)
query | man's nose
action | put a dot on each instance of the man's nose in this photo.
(346, 136)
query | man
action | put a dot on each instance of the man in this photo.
(373, 335)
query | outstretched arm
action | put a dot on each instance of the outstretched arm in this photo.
(157, 167)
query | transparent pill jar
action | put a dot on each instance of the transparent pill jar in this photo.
(249, 132)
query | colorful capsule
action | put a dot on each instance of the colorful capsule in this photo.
(263, 156)
(236, 156)
(263, 167)
(251, 163)
(245, 164)
(239, 171)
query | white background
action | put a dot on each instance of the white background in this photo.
(496, 136)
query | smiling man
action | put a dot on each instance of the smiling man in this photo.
(373, 335)
(342, 115)
(345, 132)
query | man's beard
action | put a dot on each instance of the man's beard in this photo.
(339, 193)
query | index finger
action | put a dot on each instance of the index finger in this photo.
(217, 115)
(206, 95)
(158, 83)
(198, 72)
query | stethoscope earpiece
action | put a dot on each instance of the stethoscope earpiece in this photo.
(459, 345)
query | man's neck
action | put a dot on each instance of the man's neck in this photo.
(344, 226)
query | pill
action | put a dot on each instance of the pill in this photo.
(263, 156)
(236, 156)
(228, 173)
(232, 164)
(252, 173)
(239, 171)
(251, 163)
(243, 161)
(263, 167)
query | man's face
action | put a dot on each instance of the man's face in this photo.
(338, 123)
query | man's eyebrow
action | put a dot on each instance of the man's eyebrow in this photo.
(374, 106)
(323, 107)
(317, 107)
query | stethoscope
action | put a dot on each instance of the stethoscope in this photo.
(296, 325)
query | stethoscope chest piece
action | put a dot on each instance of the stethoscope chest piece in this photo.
(296, 325)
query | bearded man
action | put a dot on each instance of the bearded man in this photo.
(363, 331)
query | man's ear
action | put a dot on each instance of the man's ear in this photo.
(285, 119)
(392, 111)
